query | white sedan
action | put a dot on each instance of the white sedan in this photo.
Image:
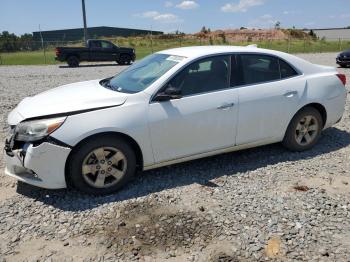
(170, 107)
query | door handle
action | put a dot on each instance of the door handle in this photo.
(226, 106)
(290, 93)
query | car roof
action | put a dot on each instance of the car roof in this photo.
(195, 52)
(198, 51)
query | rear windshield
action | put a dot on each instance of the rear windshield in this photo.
(142, 74)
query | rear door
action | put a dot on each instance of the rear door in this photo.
(95, 51)
(269, 93)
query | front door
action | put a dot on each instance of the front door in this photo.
(203, 120)
(102, 51)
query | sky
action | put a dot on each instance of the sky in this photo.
(25, 16)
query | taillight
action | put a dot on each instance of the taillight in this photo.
(342, 78)
(57, 51)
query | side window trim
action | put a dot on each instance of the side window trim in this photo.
(279, 68)
(189, 64)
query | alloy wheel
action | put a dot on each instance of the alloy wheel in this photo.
(306, 130)
(104, 167)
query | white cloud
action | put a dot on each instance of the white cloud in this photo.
(341, 16)
(311, 23)
(265, 21)
(156, 16)
(148, 14)
(345, 16)
(166, 18)
(188, 5)
(242, 6)
(168, 4)
(292, 12)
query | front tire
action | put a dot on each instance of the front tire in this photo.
(102, 165)
(124, 60)
(304, 130)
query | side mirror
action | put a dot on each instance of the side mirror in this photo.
(168, 94)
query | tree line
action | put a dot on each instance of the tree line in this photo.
(9, 42)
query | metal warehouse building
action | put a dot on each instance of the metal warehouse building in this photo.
(332, 33)
(93, 32)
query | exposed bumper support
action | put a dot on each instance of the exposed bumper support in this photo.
(42, 166)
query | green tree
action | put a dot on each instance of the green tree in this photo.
(204, 30)
(312, 34)
(10, 42)
(278, 25)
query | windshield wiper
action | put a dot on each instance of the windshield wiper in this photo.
(107, 83)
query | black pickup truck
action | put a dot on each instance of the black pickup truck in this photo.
(95, 50)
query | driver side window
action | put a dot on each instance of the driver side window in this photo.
(203, 76)
(106, 45)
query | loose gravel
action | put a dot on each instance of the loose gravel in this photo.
(254, 205)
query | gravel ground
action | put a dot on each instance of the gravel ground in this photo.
(259, 204)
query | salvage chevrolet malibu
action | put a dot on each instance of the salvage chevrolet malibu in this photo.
(172, 106)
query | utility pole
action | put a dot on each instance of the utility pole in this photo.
(84, 18)
(42, 44)
(152, 38)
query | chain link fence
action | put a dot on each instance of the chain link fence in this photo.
(43, 52)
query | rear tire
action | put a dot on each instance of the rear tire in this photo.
(124, 60)
(102, 165)
(304, 130)
(73, 61)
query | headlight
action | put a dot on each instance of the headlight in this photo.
(37, 129)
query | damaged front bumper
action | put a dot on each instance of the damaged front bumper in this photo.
(41, 165)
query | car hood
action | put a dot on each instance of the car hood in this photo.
(66, 99)
(125, 49)
(345, 53)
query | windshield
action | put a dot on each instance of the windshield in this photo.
(142, 74)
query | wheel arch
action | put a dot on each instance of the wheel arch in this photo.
(320, 108)
(132, 142)
(71, 54)
(124, 53)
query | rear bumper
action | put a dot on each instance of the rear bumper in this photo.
(335, 109)
(42, 165)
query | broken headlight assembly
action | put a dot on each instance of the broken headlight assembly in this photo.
(34, 130)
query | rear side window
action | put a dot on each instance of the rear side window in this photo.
(95, 44)
(249, 69)
(286, 70)
(258, 68)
